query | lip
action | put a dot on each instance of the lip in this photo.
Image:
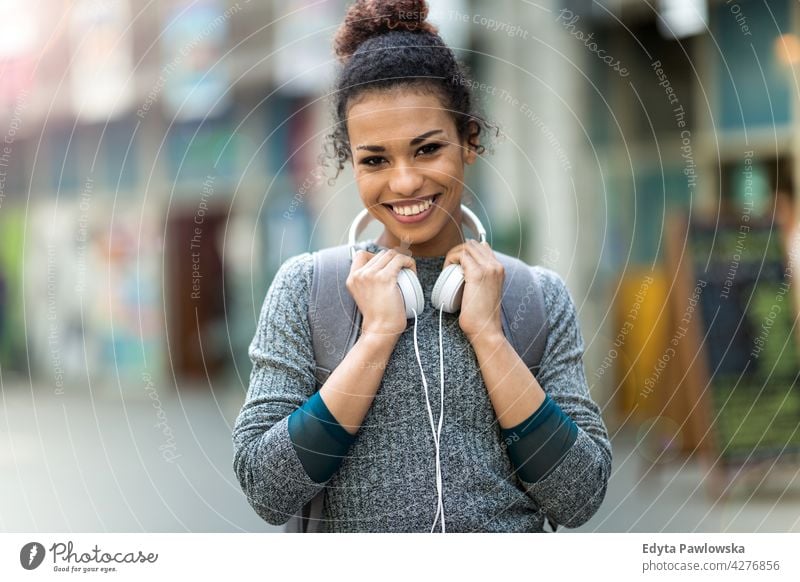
(417, 217)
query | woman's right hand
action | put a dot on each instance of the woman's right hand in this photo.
(373, 284)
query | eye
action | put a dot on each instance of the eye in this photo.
(372, 161)
(429, 148)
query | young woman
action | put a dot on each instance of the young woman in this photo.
(512, 449)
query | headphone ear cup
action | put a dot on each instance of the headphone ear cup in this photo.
(411, 291)
(449, 289)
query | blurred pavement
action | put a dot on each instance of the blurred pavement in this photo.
(81, 464)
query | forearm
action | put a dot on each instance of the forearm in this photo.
(563, 460)
(324, 427)
(350, 389)
(269, 471)
(513, 390)
(535, 430)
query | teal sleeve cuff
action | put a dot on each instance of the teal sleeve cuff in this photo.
(320, 441)
(537, 445)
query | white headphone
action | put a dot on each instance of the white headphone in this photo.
(445, 296)
(449, 287)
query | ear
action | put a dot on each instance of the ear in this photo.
(470, 144)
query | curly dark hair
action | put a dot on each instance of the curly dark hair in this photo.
(384, 45)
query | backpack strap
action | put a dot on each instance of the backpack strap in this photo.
(333, 314)
(523, 312)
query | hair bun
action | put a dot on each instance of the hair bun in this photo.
(368, 18)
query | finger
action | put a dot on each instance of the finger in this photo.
(368, 261)
(407, 252)
(485, 257)
(400, 253)
(482, 247)
(398, 262)
(474, 250)
(379, 260)
(471, 266)
(453, 255)
(360, 259)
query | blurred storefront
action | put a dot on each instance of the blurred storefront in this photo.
(151, 153)
(697, 136)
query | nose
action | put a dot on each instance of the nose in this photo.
(405, 180)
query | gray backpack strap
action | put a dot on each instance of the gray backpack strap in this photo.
(334, 320)
(523, 313)
(332, 312)
(309, 518)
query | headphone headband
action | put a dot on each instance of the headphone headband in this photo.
(364, 218)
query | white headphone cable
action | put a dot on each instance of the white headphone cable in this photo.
(439, 506)
(441, 417)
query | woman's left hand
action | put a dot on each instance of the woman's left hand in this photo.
(483, 288)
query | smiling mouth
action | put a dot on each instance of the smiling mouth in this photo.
(407, 209)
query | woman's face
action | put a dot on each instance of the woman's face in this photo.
(409, 167)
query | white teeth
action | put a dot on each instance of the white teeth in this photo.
(412, 209)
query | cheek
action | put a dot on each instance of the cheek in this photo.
(369, 184)
(451, 172)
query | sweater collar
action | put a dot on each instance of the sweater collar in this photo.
(372, 247)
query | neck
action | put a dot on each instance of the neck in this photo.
(449, 237)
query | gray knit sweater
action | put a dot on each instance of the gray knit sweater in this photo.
(387, 481)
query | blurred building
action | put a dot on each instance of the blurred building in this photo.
(152, 151)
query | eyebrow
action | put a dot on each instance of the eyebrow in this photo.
(413, 142)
